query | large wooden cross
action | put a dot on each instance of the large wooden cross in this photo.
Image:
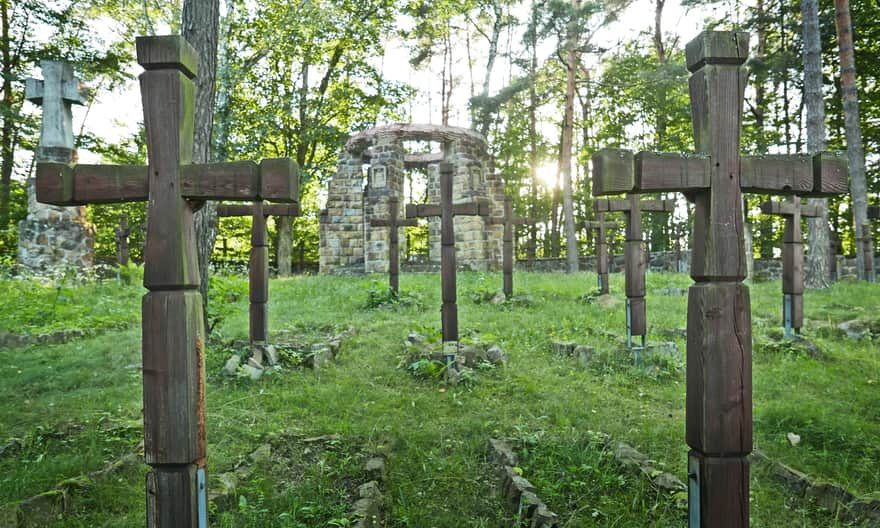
(121, 234)
(634, 259)
(393, 223)
(509, 221)
(446, 210)
(173, 327)
(719, 330)
(600, 225)
(792, 258)
(258, 272)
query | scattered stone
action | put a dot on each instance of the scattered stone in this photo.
(793, 439)
(496, 355)
(498, 298)
(252, 372)
(415, 337)
(669, 482)
(271, 355)
(670, 291)
(10, 448)
(222, 489)
(261, 454)
(501, 452)
(563, 348)
(231, 366)
(667, 347)
(256, 358)
(608, 301)
(517, 492)
(319, 356)
(584, 354)
(856, 329)
(41, 510)
(376, 469)
(628, 456)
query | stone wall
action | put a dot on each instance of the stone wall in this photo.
(52, 238)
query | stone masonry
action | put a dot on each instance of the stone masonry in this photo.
(53, 238)
(373, 167)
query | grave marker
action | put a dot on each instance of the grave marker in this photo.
(719, 331)
(868, 242)
(600, 225)
(509, 221)
(792, 259)
(634, 259)
(393, 223)
(122, 234)
(258, 272)
(173, 328)
(446, 210)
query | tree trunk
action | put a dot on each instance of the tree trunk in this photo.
(571, 242)
(7, 146)
(816, 272)
(497, 26)
(200, 23)
(854, 151)
(284, 244)
(533, 133)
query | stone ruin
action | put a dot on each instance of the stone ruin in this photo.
(373, 167)
(53, 238)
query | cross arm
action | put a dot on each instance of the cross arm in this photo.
(480, 208)
(273, 179)
(422, 210)
(593, 224)
(268, 210)
(790, 209)
(822, 174)
(618, 171)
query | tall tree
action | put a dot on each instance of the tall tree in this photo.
(852, 128)
(571, 64)
(200, 25)
(818, 233)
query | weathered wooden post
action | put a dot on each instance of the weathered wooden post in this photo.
(600, 225)
(719, 333)
(258, 272)
(393, 223)
(509, 221)
(446, 210)
(122, 234)
(792, 259)
(835, 253)
(634, 260)
(173, 328)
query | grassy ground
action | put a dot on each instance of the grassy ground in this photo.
(78, 405)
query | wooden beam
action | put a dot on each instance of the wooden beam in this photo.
(612, 172)
(657, 172)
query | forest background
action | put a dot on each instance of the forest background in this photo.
(295, 78)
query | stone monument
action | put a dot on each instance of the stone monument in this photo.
(53, 238)
(372, 169)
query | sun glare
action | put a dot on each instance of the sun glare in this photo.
(547, 175)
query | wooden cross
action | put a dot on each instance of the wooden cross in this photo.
(58, 90)
(600, 225)
(122, 234)
(258, 272)
(868, 242)
(719, 331)
(835, 251)
(173, 327)
(394, 223)
(634, 259)
(792, 259)
(509, 220)
(446, 210)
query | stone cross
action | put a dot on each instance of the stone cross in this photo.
(719, 330)
(600, 225)
(634, 259)
(258, 271)
(446, 210)
(509, 220)
(122, 234)
(868, 242)
(173, 328)
(58, 90)
(792, 259)
(393, 223)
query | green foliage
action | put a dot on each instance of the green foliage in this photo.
(380, 295)
(225, 293)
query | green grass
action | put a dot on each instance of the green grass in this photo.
(438, 471)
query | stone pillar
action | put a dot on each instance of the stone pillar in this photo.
(385, 180)
(53, 238)
(342, 222)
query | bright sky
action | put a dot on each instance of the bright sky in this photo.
(117, 114)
